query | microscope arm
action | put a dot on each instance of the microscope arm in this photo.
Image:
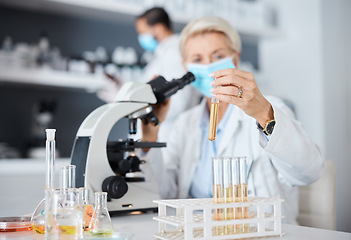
(89, 152)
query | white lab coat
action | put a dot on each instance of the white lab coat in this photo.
(167, 62)
(278, 166)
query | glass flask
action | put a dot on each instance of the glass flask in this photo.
(63, 214)
(100, 224)
(38, 218)
(87, 208)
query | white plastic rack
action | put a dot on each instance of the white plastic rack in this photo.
(193, 218)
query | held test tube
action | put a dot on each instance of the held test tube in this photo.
(213, 119)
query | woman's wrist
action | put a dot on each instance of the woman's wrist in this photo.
(266, 115)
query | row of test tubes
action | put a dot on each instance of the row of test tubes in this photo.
(230, 185)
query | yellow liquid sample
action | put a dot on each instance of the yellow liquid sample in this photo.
(213, 121)
(39, 228)
(217, 213)
(87, 214)
(217, 198)
(101, 233)
(228, 212)
(242, 212)
(67, 229)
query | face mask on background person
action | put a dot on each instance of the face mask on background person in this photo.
(147, 42)
(201, 72)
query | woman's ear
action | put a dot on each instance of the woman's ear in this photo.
(185, 65)
(158, 30)
(236, 59)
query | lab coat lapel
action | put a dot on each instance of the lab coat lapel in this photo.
(195, 141)
(230, 129)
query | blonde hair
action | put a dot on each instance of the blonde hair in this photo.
(209, 25)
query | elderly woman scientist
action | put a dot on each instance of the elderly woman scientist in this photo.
(281, 156)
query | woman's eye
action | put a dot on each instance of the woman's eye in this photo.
(196, 60)
(219, 56)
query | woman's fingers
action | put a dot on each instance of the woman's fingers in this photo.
(228, 90)
(228, 71)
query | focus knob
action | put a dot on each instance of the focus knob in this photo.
(115, 186)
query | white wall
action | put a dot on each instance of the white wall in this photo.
(310, 65)
(337, 71)
(292, 63)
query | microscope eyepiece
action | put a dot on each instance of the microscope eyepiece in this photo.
(163, 89)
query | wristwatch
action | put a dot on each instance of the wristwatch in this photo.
(268, 127)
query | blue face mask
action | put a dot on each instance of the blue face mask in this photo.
(201, 72)
(147, 42)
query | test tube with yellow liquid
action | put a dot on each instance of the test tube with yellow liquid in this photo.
(235, 180)
(217, 192)
(213, 119)
(243, 212)
(228, 192)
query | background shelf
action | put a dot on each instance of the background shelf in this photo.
(51, 78)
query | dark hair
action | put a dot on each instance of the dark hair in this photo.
(156, 15)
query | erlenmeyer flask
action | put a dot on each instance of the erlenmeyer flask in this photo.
(100, 224)
(87, 208)
(38, 218)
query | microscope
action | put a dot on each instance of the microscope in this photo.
(113, 167)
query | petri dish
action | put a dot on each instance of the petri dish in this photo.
(15, 224)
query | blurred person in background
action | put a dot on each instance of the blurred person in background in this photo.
(155, 34)
(281, 156)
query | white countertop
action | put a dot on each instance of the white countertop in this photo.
(21, 188)
(143, 227)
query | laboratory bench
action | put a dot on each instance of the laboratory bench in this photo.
(142, 227)
(22, 187)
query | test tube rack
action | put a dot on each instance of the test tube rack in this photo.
(192, 218)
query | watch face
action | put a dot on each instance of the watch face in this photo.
(270, 127)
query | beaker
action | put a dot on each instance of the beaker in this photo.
(100, 224)
(217, 193)
(63, 214)
(213, 119)
(87, 208)
(68, 176)
(38, 218)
